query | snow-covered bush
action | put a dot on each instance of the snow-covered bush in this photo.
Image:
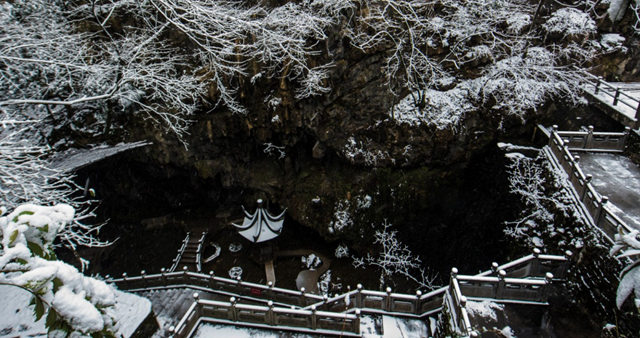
(342, 218)
(74, 304)
(570, 22)
(628, 245)
(363, 151)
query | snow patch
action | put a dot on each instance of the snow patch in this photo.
(484, 309)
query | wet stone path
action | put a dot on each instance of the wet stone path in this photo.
(618, 178)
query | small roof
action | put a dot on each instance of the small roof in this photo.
(260, 226)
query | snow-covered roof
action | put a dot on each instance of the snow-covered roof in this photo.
(260, 226)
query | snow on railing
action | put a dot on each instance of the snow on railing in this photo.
(270, 316)
(595, 204)
(594, 141)
(355, 301)
(494, 288)
(597, 86)
(199, 252)
(178, 257)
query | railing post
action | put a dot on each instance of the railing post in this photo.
(548, 278)
(637, 117)
(212, 279)
(356, 323)
(124, 278)
(535, 263)
(359, 295)
(564, 267)
(587, 181)
(184, 272)
(553, 129)
(163, 276)
(417, 302)
(595, 91)
(302, 298)
(588, 142)
(463, 307)
(603, 201)
(494, 268)
(234, 310)
(314, 319)
(270, 317)
(143, 276)
(172, 331)
(623, 140)
(615, 96)
(387, 300)
(501, 284)
(270, 289)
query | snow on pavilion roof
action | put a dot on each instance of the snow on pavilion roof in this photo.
(260, 226)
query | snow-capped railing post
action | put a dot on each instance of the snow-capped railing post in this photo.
(588, 141)
(234, 310)
(143, 277)
(494, 268)
(499, 291)
(269, 317)
(564, 267)
(548, 278)
(124, 277)
(197, 309)
(270, 289)
(356, 323)
(627, 132)
(535, 262)
(314, 318)
(417, 303)
(597, 86)
(302, 298)
(163, 276)
(359, 295)
(585, 188)
(552, 131)
(387, 299)
(600, 212)
(616, 96)
(212, 279)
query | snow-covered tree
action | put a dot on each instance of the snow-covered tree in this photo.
(395, 259)
(73, 303)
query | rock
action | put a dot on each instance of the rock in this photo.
(318, 151)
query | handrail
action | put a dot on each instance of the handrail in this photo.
(199, 252)
(598, 83)
(496, 288)
(594, 141)
(595, 204)
(275, 317)
(176, 260)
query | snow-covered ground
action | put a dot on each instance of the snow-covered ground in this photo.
(618, 178)
(17, 318)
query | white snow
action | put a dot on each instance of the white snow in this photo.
(342, 217)
(507, 332)
(342, 251)
(612, 42)
(17, 319)
(235, 272)
(443, 109)
(211, 330)
(484, 309)
(570, 21)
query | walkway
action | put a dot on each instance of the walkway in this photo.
(619, 100)
(618, 178)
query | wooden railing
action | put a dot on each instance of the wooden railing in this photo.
(595, 141)
(597, 86)
(270, 316)
(595, 204)
(178, 257)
